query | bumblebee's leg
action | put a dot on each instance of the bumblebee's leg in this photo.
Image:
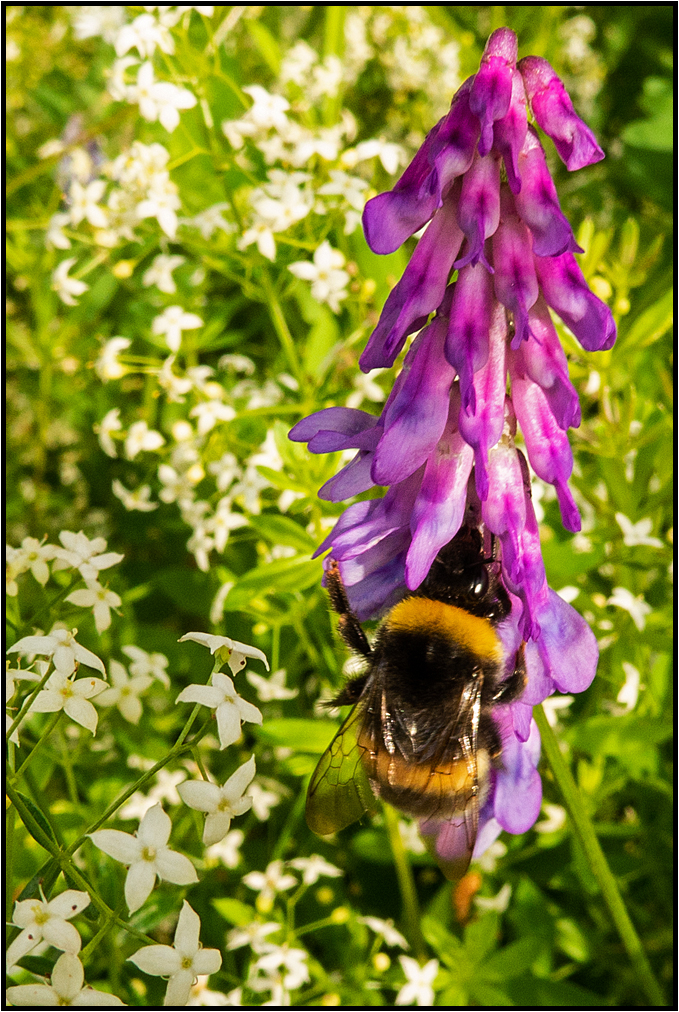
(513, 686)
(349, 627)
(351, 693)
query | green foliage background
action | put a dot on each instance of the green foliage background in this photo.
(554, 946)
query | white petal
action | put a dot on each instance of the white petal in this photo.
(82, 712)
(217, 825)
(47, 701)
(207, 695)
(174, 867)
(187, 934)
(249, 712)
(178, 989)
(237, 783)
(88, 687)
(120, 846)
(32, 996)
(61, 935)
(139, 884)
(43, 645)
(155, 828)
(89, 998)
(158, 960)
(87, 657)
(130, 707)
(68, 976)
(207, 961)
(21, 945)
(200, 794)
(228, 724)
(69, 903)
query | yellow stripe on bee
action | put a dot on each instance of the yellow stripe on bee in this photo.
(422, 615)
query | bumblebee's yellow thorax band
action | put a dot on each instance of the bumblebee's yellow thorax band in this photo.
(421, 615)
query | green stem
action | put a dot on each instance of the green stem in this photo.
(282, 329)
(102, 933)
(26, 705)
(43, 737)
(597, 860)
(10, 823)
(275, 646)
(404, 873)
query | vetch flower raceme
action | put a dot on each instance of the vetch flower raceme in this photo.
(444, 444)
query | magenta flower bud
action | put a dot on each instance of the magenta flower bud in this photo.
(478, 210)
(337, 429)
(549, 451)
(554, 113)
(546, 363)
(452, 150)
(419, 292)
(440, 505)
(509, 133)
(467, 342)
(516, 285)
(491, 91)
(416, 417)
(565, 290)
(538, 203)
(482, 428)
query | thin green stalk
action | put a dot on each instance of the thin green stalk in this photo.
(282, 329)
(406, 882)
(10, 847)
(597, 860)
(275, 646)
(26, 705)
(43, 737)
(293, 818)
(102, 933)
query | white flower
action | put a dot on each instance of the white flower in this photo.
(54, 235)
(34, 555)
(159, 100)
(209, 220)
(227, 851)
(85, 555)
(629, 693)
(161, 203)
(100, 599)
(267, 111)
(201, 544)
(61, 646)
(182, 961)
(313, 867)
(638, 533)
(174, 386)
(107, 365)
(160, 273)
(419, 988)
(109, 423)
(144, 663)
(230, 709)
(292, 961)
(226, 470)
(147, 855)
(271, 688)
(172, 322)
(552, 705)
(498, 903)
(386, 929)
(144, 34)
(351, 188)
(636, 606)
(71, 696)
(104, 19)
(209, 413)
(568, 593)
(221, 803)
(410, 837)
(66, 988)
(13, 675)
(365, 388)
(260, 233)
(264, 800)
(84, 203)
(49, 921)
(253, 934)
(202, 996)
(140, 437)
(556, 819)
(391, 155)
(226, 649)
(270, 882)
(223, 522)
(67, 288)
(139, 500)
(125, 692)
(328, 279)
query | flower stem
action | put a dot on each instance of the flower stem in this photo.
(26, 705)
(404, 873)
(43, 737)
(597, 860)
(282, 329)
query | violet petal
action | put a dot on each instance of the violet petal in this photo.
(518, 792)
(565, 290)
(516, 285)
(545, 362)
(491, 91)
(538, 203)
(467, 343)
(478, 210)
(509, 133)
(352, 479)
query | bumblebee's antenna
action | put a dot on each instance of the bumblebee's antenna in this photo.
(348, 626)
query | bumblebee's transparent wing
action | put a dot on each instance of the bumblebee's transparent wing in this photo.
(339, 790)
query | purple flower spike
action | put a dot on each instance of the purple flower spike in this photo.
(518, 791)
(483, 428)
(538, 203)
(565, 290)
(554, 113)
(467, 341)
(440, 505)
(416, 418)
(516, 285)
(478, 210)
(452, 151)
(337, 429)
(491, 91)
(509, 133)
(419, 292)
(549, 451)
(545, 362)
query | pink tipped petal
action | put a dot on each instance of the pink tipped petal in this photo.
(566, 291)
(419, 292)
(414, 421)
(518, 792)
(544, 360)
(467, 343)
(554, 113)
(491, 91)
(482, 427)
(538, 203)
(478, 211)
(516, 285)
(509, 133)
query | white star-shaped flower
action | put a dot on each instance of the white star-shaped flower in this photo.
(293, 963)
(418, 990)
(66, 988)
(109, 423)
(144, 34)
(636, 606)
(209, 220)
(328, 279)
(147, 855)
(253, 934)
(124, 692)
(139, 500)
(107, 365)
(34, 555)
(72, 696)
(209, 413)
(269, 883)
(629, 693)
(313, 867)
(638, 533)
(40, 919)
(100, 599)
(144, 663)
(230, 709)
(84, 201)
(226, 649)
(84, 555)
(271, 688)
(61, 646)
(140, 437)
(221, 803)
(172, 322)
(160, 272)
(180, 962)
(386, 929)
(159, 100)
(68, 289)
(227, 851)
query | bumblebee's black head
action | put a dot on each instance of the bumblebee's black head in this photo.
(462, 575)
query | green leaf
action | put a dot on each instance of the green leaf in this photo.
(513, 960)
(447, 947)
(234, 911)
(652, 324)
(266, 44)
(280, 530)
(657, 132)
(279, 576)
(528, 992)
(38, 816)
(631, 739)
(312, 736)
(489, 997)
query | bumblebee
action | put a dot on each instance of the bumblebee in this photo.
(421, 735)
